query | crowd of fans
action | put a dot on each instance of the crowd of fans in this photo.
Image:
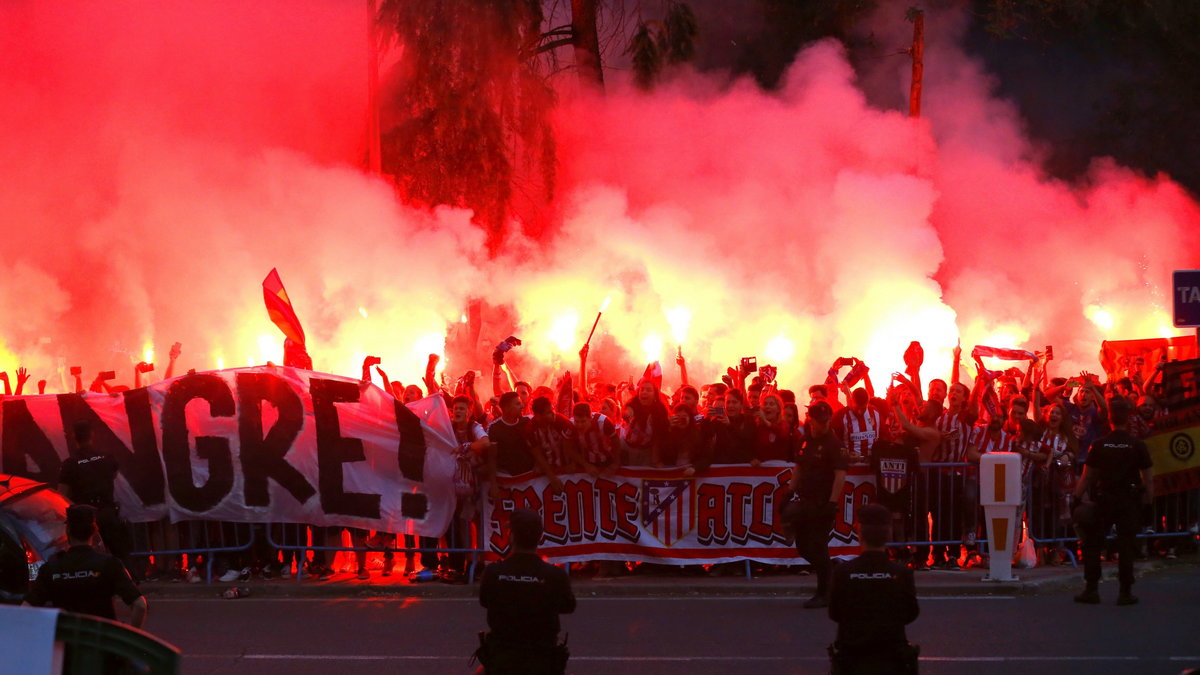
(922, 443)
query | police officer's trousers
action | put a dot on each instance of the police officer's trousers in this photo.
(1125, 513)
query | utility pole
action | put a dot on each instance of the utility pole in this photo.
(587, 42)
(918, 61)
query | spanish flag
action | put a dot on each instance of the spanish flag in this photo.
(279, 308)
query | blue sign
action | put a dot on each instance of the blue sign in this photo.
(1186, 284)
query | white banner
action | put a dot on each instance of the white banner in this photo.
(727, 514)
(265, 444)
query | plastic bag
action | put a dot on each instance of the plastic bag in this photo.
(1027, 555)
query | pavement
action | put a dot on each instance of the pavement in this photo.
(967, 582)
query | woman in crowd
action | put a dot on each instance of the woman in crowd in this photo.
(772, 439)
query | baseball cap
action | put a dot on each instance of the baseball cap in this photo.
(820, 411)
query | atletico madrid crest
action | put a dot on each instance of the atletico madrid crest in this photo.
(668, 509)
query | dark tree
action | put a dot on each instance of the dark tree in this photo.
(471, 115)
(1102, 77)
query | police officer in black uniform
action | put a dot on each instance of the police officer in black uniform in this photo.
(87, 477)
(524, 595)
(872, 599)
(1117, 480)
(817, 481)
(84, 580)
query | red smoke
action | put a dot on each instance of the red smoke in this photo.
(159, 159)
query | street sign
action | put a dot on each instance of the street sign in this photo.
(1186, 284)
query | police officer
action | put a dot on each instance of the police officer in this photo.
(84, 580)
(524, 595)
(1117, 480)
(87, 477)
(817, 481)
(872, 599)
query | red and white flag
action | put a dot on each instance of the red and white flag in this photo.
(1003, 354)
(279, 308)
(653, 374)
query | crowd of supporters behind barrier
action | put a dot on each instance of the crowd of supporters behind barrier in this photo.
(922, 442)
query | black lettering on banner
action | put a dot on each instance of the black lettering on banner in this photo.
(22, 437)
(214, 449)
(333, 450)
(414, 505)
(142, 466)
(411, 452)
(263, 457)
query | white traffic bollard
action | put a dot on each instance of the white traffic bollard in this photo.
(1000, 495)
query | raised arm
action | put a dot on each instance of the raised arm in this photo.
(955, 362)
(1097, 394)
(172, 357)
(682, 363)
(430, 379)
(387, 384)
(22, 378)
(138, 369)
(583, 354)
(366, 367)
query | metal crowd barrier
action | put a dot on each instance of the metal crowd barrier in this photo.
(193, 538)
(298, 538)
(942, 504)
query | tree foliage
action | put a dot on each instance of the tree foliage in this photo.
(788, 25)
(472, 115)
(1137, 63)
(658, 44)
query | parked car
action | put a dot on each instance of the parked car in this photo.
(31, 530)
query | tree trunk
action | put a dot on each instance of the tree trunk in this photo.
(587, 42)
(918, 65)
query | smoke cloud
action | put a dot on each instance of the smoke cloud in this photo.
(160, 159)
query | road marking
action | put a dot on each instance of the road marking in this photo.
(689, 659)
(474, 600)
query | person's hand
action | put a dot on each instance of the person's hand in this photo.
(3, 376)
(176, 350)
(469, 378)
(583, 351)
(957, 351)
(22, 376)
(143, 367)
(679, 360)
(755, 462)
(41, 386)
(371, 361)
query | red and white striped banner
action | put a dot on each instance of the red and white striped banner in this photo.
(727, 514)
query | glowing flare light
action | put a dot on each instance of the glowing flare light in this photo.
(652, 348)
(679, 318)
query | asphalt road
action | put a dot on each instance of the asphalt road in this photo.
(1045, 633)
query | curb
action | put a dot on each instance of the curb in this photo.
(965, 583)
